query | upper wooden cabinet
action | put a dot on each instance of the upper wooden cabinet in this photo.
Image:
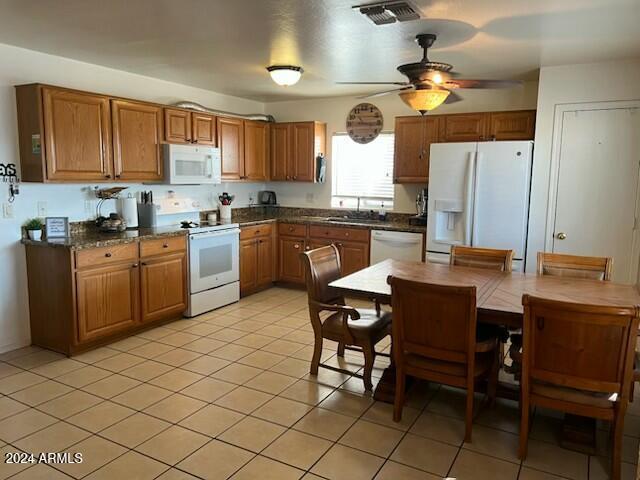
(231, 144)
(256, 150)
(295, 148)
(137, 130)
(463, 127)
(414, 136)
(413, 139)
(183, 126)
(512, 125)
(64, 135)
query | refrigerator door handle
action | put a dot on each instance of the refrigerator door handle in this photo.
(474, 223)
(469, 198)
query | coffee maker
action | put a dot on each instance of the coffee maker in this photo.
(421, 208)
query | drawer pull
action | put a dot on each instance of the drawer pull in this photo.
(165, 245)
(346, 234)
(296, 246)
(135, 265)
(108, 254)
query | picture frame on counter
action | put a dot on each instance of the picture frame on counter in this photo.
(56, 227)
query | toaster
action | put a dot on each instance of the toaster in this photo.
(267, 197)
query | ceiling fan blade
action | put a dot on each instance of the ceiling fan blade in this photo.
(386, 92)
(453, 98)
(373, 83)
(467, 83)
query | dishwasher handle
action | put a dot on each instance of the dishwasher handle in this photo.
(398, 238)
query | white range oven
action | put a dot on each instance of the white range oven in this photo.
(214, 267)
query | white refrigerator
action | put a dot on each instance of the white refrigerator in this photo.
(479, 196)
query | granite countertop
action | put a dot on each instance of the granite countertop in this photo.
(398, 225)
(91, 238)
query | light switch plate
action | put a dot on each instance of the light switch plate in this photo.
(7, 210)
(42, 209)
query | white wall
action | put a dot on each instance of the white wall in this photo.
(596, 82)
(21, 66)
(334, 112)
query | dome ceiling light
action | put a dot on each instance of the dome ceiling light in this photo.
(285, 75)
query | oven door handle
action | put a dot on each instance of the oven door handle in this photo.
(202, 236)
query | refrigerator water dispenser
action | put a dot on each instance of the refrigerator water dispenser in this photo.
(450, 222)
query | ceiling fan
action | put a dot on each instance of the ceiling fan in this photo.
(431, 83)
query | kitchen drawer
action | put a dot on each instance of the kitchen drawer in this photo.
(292, 229)
(255, 231)
(161, 246)
(94, 257)
(338, 233)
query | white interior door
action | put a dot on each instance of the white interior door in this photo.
(597, 190)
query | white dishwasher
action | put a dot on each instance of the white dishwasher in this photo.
(396, 245)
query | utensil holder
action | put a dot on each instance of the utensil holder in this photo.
(225, 212)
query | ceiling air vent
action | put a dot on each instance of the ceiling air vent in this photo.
(383, 13)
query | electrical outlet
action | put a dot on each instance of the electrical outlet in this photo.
(7, 210)
(42, 209)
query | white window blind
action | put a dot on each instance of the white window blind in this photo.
(364, 171)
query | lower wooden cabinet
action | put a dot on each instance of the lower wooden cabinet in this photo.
(107, 299)
(353, 256)
(257, 258)
(85, 298)
(163, 286)
(291, 267)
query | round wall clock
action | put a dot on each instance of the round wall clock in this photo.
(364, 123)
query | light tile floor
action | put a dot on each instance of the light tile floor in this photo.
(228, 395)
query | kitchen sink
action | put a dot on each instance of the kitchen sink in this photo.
(354, 220)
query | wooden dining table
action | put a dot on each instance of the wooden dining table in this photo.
(499, 297)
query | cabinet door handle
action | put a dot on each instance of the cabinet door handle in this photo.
(107, 176)
(108, 254)
(135, 265)
(296, 246)
(288, 177)
(118, 175)
(295, 178)
(165, 245)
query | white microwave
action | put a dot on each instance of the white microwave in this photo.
(191, 165)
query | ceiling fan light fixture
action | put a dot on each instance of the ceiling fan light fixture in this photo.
(285, 75)
(424, 99)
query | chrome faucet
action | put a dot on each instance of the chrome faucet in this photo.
(358, 209)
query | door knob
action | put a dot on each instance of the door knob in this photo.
(561, 236)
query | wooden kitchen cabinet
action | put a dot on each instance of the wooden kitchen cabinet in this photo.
(256, 150)
(280, 151)
(463, 127)
(64, 135)
(177, 126)
(137, 131)
(231, 144)
(163, 286)
(413, 139)
(107, 299)
(203, 128)
(353, 256)
(517, 125)
(184, 126)
(414, 136)
(79, 299)
(294, 149)
(257, 258)
(291, 267)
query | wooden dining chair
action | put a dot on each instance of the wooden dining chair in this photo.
(578, 359)
(576, 266)
(481, 258)
(557, 264)
(332, 319)
(434, 338)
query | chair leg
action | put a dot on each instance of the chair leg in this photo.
(341, 349)
(493, 377)
(317, 352)
(398, 401)
(468, 420)
(525, 416)
(369, 358)
(616, 448)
